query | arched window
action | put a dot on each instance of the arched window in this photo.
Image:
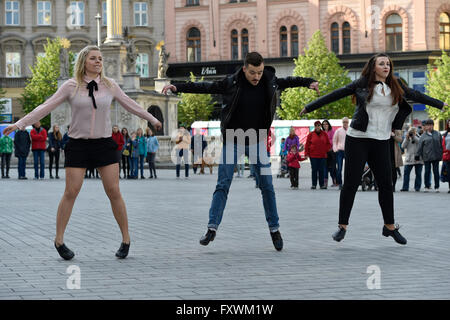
(193, 49)
(394, 39)
(294, 41)
(244, 43)
(335, 37)
(283, 42)
(444, 31)
(234, 45)
(346, 37)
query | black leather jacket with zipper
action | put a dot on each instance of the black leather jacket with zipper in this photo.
(360, 118)
(230, 88)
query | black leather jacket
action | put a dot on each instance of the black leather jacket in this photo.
(230, 88)
(360, 89)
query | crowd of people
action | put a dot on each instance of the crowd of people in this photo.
(133, 149)
(413, 147)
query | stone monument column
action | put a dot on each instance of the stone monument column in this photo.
(113, 49)
(62, 116)
(114, 21)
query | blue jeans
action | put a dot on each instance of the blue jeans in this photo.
(407, 172)
(427, 177)
(21, 166)
(340, 156)
(39, 163)
(134, 166)
(318, 166)
(262, 171)
(141, 164)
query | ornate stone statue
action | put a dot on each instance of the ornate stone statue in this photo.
(131, 56)
(162, 63)
(63, 63)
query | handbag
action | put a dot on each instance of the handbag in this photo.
(126, 153)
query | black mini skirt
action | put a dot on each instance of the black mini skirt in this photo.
(90, 153)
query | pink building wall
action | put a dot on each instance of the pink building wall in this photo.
(263, 18)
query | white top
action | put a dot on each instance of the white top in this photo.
(381, 114)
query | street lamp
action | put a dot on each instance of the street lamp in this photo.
(98, 17)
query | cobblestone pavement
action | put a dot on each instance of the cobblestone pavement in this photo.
(168, 216)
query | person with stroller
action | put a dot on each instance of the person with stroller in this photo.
(381, 106)
(410, 145)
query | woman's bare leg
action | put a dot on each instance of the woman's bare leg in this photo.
(110, 180)
(74, 181)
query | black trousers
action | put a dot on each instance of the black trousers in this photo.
(6, 160)
(377, 154)
(53, 157)
(293, 175)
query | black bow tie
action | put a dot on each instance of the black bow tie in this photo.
(91, 86)
(378, 82)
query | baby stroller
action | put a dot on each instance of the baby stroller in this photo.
(367, 180)
(284, 173)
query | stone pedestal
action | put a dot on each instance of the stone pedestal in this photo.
(160, 83)
(114, 60)
(131, 82)
(62, 115)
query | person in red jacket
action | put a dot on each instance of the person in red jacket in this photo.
(293, 159)
(118, 138)
(446, 151)
(38, 146)
(316, 148)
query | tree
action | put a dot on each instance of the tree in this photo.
(438, 86)
(43, 82)
(322, 65)
(194, 107)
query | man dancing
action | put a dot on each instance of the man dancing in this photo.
(249, 104)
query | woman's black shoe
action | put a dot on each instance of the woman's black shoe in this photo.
(339, 235)
(122, 253)
(64, 252)
(394, 234)
(209, 236)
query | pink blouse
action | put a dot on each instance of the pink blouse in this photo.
(87, 122)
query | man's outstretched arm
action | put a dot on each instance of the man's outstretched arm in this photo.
(292, 82)
(213, 87)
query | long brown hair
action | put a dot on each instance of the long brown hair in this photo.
(369, 73)
(57, 135)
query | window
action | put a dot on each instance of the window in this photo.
(13, 64)
(104, 14)
(140, 14)
(294, 41)
(192, 2)
(444, 31)
(77, 13)
(283, 41)
(193, 51)
(44, 13)
(12, 13)
(394, 33)
(244, 43)
(142, 65)
(234, 45)
(346, 37)
(335, 37)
